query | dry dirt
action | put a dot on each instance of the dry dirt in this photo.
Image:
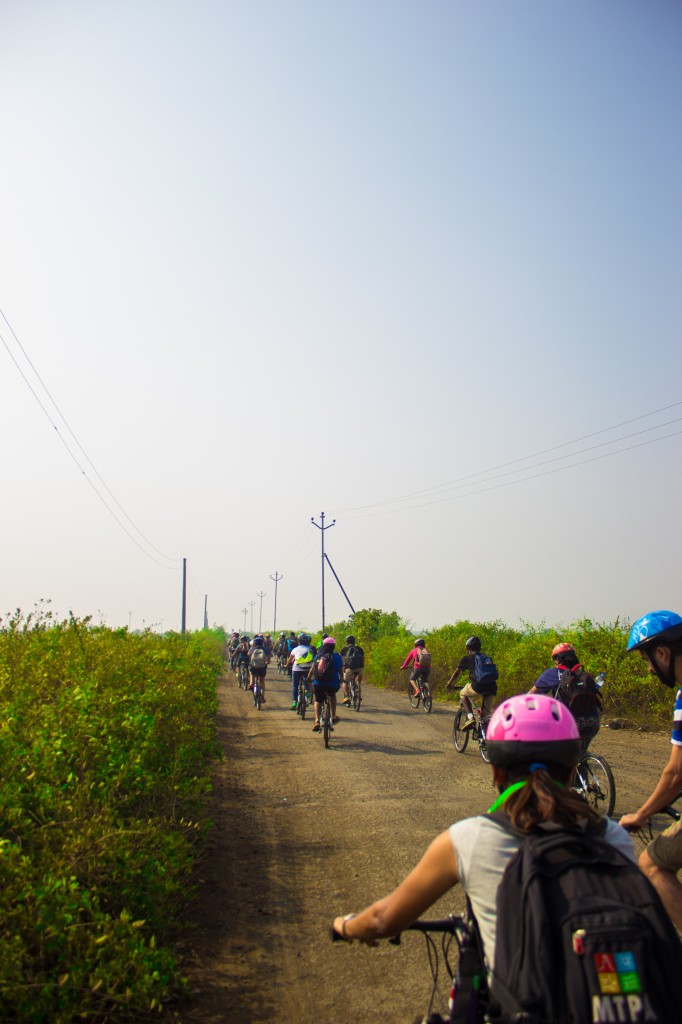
(302, 834)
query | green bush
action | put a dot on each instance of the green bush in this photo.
(109, 737)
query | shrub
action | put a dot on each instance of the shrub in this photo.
(110, 736)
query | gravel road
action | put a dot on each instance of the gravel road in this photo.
(302, 834)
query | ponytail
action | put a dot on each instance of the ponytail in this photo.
(544, 795)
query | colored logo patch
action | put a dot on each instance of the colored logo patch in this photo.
(609, 983)
(625, 962)
(617, 972)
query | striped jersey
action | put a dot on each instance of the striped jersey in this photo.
(677, 720)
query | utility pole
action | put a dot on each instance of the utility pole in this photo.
(252, 604)
(276, 578)
(245, 612)
(184, 596)
(322, 529)
(206, 609)
(260, 613)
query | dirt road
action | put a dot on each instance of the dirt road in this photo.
(303, 833)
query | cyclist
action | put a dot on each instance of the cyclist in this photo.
(584, 708)
(300, 661)
(268, 645)
(420, 658)
(234, 644)
(241, 653)
(258, 664)
(534, 746)
(353, 664)
(330, 686)
(658, 638)
(486, 691)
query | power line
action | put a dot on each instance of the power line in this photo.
(484, 472)
(168, 558)
(521, 480)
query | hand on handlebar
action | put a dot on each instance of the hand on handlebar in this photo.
(339, 932)
(633, 822)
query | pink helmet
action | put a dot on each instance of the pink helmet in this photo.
(328, 640)
(532, 727)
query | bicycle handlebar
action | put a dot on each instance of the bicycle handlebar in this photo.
(446, 925)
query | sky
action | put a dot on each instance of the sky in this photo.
(415, 265)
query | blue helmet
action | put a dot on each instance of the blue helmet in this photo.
(662, 627)
(654, 630)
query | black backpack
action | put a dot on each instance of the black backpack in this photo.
(355, 657)
(578, 691)
(581, 935)
(323, 667)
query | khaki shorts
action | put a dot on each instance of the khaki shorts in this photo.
(486, 702)
(666, 849)
(349, 674)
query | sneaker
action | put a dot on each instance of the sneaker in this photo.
(469, 724)
(346, 701)
(335, 720)
(316, 727)
(293, 706)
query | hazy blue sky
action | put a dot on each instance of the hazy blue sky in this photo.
(273, 258)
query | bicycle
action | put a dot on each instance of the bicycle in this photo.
(302, 697)
(424, 696)
(594, 781)
(460, 735)
(326, 718)
(257, 690)
(243, 675)
(355, 692)
(468, 996)
(282, 662)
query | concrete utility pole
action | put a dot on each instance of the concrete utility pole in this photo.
(252, 604)
(260, 612)
(276, 578)
(245, 612)
(322, 529)
(206, 610)
(184, 596)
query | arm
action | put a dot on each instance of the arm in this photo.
(668, 787)
(410, 657)
(432, 877)
(453, 678)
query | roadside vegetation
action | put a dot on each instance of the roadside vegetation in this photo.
(106, 743)
(629, 693)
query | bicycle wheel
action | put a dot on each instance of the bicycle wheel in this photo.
(243, 676)
(326, 721)
(357, 696)
(460, 735)
(257, 695)
(596, 783)
(301, 700)
(427, 699)
(482, 746)
(414, 697)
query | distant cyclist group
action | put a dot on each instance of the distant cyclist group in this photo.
(317, 672)
(561, 926)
